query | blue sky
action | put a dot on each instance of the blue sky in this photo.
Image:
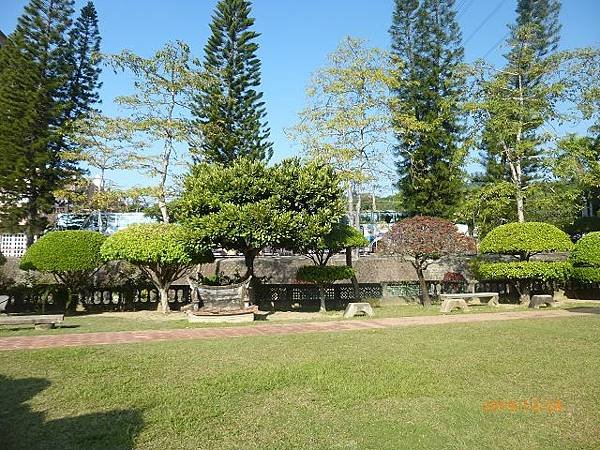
(296, 36)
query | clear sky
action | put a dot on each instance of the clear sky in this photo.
(296, 36)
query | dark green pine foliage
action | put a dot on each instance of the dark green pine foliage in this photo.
(35, 73)
(230, 110)
(84, 40)
(426, 40)
(542, 18)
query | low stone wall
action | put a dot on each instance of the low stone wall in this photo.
(369, 269)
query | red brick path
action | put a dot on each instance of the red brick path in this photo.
(126, 337)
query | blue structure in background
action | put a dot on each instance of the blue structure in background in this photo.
(104, 222)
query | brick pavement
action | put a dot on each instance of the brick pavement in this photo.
(128, 337)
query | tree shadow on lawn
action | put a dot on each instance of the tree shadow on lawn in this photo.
(585, 309)
(22, 428)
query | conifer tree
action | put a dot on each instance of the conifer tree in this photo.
(36, 75)
(231, 109)
(426, 41)
(84, 41)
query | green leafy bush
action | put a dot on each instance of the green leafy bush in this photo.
(586, 274)
(71, 256)
(2, 259)
(64, 251)
(523, 270)
(587, 251)
(586, 258)
(525, 239)
(324, 274)
(164, 252)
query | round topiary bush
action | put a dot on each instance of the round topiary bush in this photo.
(586, 258)
(71, 256)
(525, 240)
(323, 276)
(164, 252)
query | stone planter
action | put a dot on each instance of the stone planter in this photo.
(214, 315)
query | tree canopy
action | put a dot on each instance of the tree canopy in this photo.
(164, 252)
(246, 206)
(525, 239)
(422, 239)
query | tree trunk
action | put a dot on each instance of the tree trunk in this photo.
(163, 211)
(163, 304)
(249, 257)
(350, 198)
(524, 292)
(425, 298)
(322, 298)
(354, 280)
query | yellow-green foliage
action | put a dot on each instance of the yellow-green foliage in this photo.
(524, 270)
(64, 251)
(586, 258)
(525, 239)
(155, 244)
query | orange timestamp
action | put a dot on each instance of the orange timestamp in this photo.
(532, 405)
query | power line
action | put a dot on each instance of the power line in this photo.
(487, 18)
(464, 8)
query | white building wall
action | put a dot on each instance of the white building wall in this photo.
(13, 245)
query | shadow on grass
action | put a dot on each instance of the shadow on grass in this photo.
(585, 309)
(32, 327)
(22, 428)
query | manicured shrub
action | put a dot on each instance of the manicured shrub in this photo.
(587, 251)
(422, 239)
(525, 240)
(71, 256)
(323, 276)
(586, 258)
(164, 252)
(524, 270)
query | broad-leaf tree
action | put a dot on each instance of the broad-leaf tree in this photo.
(163, 252)
(422, 240)
(247, 206)
(160, 110)
(347, 121)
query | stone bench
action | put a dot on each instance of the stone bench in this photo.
(539, 300)
(475, 298)
(450, 303)
(41, 322)
(354, 309)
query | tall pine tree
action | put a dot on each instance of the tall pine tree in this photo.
(231, 110)
(426, 41)
(36, 76)
(540, 18)
(84, 41)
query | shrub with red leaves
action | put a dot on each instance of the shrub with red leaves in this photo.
(423, 239)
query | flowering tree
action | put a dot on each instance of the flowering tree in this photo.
(423, 239)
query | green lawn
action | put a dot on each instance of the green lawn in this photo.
(98, 322)
(417, 387)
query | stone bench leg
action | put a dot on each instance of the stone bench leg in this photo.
(44, 326)
(449, 304)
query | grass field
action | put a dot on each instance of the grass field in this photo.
(140, 321)
(420, 387)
